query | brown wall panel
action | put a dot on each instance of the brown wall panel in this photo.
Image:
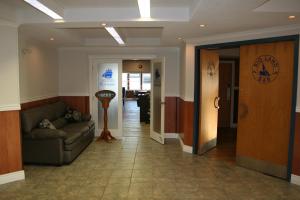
(80, 103)
(10, 145)
(33, 104)
(171, 115)
(185, 120)
(296, 154)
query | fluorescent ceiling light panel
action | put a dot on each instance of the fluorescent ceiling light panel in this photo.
(38, 5)
(112, 31)
(144, 6)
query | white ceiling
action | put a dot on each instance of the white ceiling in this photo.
(170, 19)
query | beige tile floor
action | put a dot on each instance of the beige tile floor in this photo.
(139, 168)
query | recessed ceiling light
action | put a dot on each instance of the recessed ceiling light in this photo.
(115, 35)
(202, 25)
(179, 38)
(292, 17)
(38, 5)
(103, 24)
(144, 6)
(52, 39)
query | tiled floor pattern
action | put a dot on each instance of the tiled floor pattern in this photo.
(139, 168)
(131, 121)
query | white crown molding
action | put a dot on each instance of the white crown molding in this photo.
(245, 35)
(295, 179)
(171, 135)
(185, 148)
(37, 98)
(73, 94)
(10, 107)
(11, 177)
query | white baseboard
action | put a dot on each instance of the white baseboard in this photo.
(185, 148)
(295, 179)
(171, 135)
(11, 177)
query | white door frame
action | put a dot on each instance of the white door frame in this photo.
(159, 137)
(92, 98)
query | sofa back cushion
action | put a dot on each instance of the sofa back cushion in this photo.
(32, 117)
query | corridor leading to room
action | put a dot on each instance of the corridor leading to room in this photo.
(132, 127)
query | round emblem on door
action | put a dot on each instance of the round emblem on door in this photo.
(265, 69)
(211, 69)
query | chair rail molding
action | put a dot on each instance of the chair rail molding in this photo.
(10, 107)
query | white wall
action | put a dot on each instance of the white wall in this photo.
(9, 67)
(38, 70)
(230, 37)
(74, 66)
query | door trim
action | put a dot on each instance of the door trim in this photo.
(237, 44)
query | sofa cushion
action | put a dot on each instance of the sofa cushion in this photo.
(78, 127)
(72, 137)
(47, 133)
(45, 123)
(60, 122)
(59, 108)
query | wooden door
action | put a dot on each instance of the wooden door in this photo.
(225, 86)
(266, 76)
(209, 91)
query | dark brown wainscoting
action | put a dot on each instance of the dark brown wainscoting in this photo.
(33, 104)
(10, 144)
(80, 103)
(296, 154)
(186, 120)
(171, 114)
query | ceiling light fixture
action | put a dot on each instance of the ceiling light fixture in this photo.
(38, 5)
(144, 6)
(292, 17)
(179, 38)
(52, 39)
(112, 31)
(103, 24)
(202, 25)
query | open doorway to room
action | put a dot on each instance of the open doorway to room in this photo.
(266, 96)
(136, 90)
(228, 106)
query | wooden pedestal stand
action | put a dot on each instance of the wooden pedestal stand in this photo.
(105, 96)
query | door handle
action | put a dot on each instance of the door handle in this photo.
(216, 103)
(243, 110)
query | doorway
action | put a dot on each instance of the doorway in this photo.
(266, 102)
(136, 90)
(106, 74)
(228, 106)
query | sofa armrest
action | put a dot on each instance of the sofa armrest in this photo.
(86, 117)
(47, 134)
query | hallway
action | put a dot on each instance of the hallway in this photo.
(132, 127)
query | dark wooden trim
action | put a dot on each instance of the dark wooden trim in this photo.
(80, 103)
(34, 104)
(296, 154)
(171, 115)
(237, 44)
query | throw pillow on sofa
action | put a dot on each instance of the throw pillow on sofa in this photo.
(73, 115)
(45, 123)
